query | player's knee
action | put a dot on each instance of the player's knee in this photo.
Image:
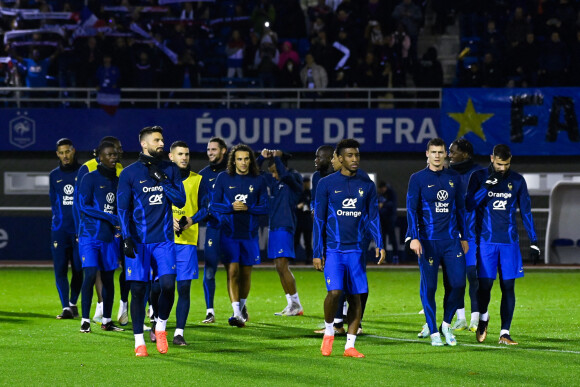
(184, 289)
(167, 283)
(138, 289)
(281, 264)
(209, 273)
(335, 294)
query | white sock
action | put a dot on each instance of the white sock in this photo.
(461, 314)
(475, 316)
(242, 303)
(161, 325)
(68, 307)
(122, 305)
(435, 335)
(350, 339)
(106, 320)
(84, 320)
(210, 310)
(99, 309)
(295, 298)
(71, 304)
(504, 332)
(289, 299)
(484, 317)
(345, 308)
(139, 340)
(337, 320)
(178, 332)
(328, 329)
(236, 306)
(444, 325)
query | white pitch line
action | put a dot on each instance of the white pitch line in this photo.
(477, 345)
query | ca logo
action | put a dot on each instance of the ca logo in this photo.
(110, 197)
(349, 203)
(499, 204)
(442, 195)
(155, 199)
(69, 189)
(241, 198)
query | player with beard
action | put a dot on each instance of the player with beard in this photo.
(496, 193)
(99, 236)
(147, 190)
(218, 160)
(323, 166)
(346, 209)
(240, 196)
(64, 246)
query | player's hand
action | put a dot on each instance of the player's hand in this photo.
(175, 224)
(492, 180)
(277, 153)
(382, 253)
(534, 254)
(187, 223)
(239, 206)
(465, 246)
(129, 248)
(156, 173)
(265, 153)
(416, 247)
(318, 264)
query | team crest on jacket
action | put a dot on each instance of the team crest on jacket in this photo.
(129, 271)
(328, 280)
(209, 242)
(430, 261)
(251, 188)
(510, 186)
(451, 183)
(361, 192)
(55, 243)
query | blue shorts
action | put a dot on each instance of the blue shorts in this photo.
(471, 255)
(96, 253)
(504, 257)
(246, 252)
(186, 257)
(345, 270)
(280, 244)
(163, 262)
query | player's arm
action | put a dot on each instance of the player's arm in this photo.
(260, 207)
(477, 190)
(525, 204)
(413, 201)
(218, 202)
(374, 224)
(319, 225)
(88, 206)
(202, 201)
(173, 188)
(52, 194)
(460, 211)
(293, 180)
(83, 170)
(124, 203)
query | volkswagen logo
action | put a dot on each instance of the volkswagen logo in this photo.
(442, 195)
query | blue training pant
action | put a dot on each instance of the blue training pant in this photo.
(64, 248)
(212, 256)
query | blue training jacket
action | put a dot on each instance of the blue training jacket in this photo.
(346, 208)
(284, 195)
(436, 205)
(144, 204)
(61, 192)
(97, 203)
(248, 189)
(465, 170)
(210, 174)
(497, 207)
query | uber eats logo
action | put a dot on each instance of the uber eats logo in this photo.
(440, 206)
(3, 238)
(348, 205)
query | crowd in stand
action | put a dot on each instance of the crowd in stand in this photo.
(283, 43)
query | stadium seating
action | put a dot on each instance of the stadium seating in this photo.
(563, 224)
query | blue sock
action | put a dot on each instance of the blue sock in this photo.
(209, 281)
(508, 302)
(167, 296)
(154, 294)
(484, 294)
(87, 290)
(138, 293)
(473, 287)
(183, 302)
(108, 278)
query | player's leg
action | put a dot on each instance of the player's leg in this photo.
(473, 289)
(334, 271)
(186, 257)
(164, 254)
(487, 265)
(356, 284)
(109, 261)
(211, 260)
(454, 268)
(429, 270)
(511, 267)
(124, 289)
(138, 271)
(60, 260)
(76, 281)
(249, 256)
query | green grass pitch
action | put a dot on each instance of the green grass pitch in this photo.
(37, 349)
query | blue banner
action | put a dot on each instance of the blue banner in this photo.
(378, 130)
(537, 122)
(25, 238)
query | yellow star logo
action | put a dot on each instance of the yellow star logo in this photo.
(470, 121)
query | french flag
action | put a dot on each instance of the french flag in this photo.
(89, 19)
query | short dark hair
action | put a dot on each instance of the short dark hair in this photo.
(63, 141)
(148, 130)
(502, 152)
(436, 142)
(464, 146)
(103, 145)
(346, 143)
(182, 144)
(222, 144)
(112, 139)
(231, 168)
(326, 148)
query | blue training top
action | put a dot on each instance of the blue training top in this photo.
(61, 192)
(346, 208)
(210, 174)
(436, 205)
(248, 189)
(144, 204)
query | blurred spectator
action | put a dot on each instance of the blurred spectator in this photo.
(553, 62)
(374, 36)
(517, 28)
(409, 14)
(187, 70)
(321, 51)
(493, 41)
(429, 70)
(317, 26)
(36, 68)
(564, 18)
(187, 12)
(491, 73)
(470, 76)
(90, 58)
(287, 54)
(252, 48)
(266, 61)
(367, 73)
(109, 93)
(342, 58)
(289, 75)
(320, 10)
(304, 220)
(143, 72)
(264, 12)
(313, 75)
(235, 54)
(122, 58)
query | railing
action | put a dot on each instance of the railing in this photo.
(226, 97)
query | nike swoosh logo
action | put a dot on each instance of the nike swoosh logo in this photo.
(431, 185)
(58, 181)
(335, 191)
(102, 186)
(142, 181)
(232, 187)
(212, 179)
